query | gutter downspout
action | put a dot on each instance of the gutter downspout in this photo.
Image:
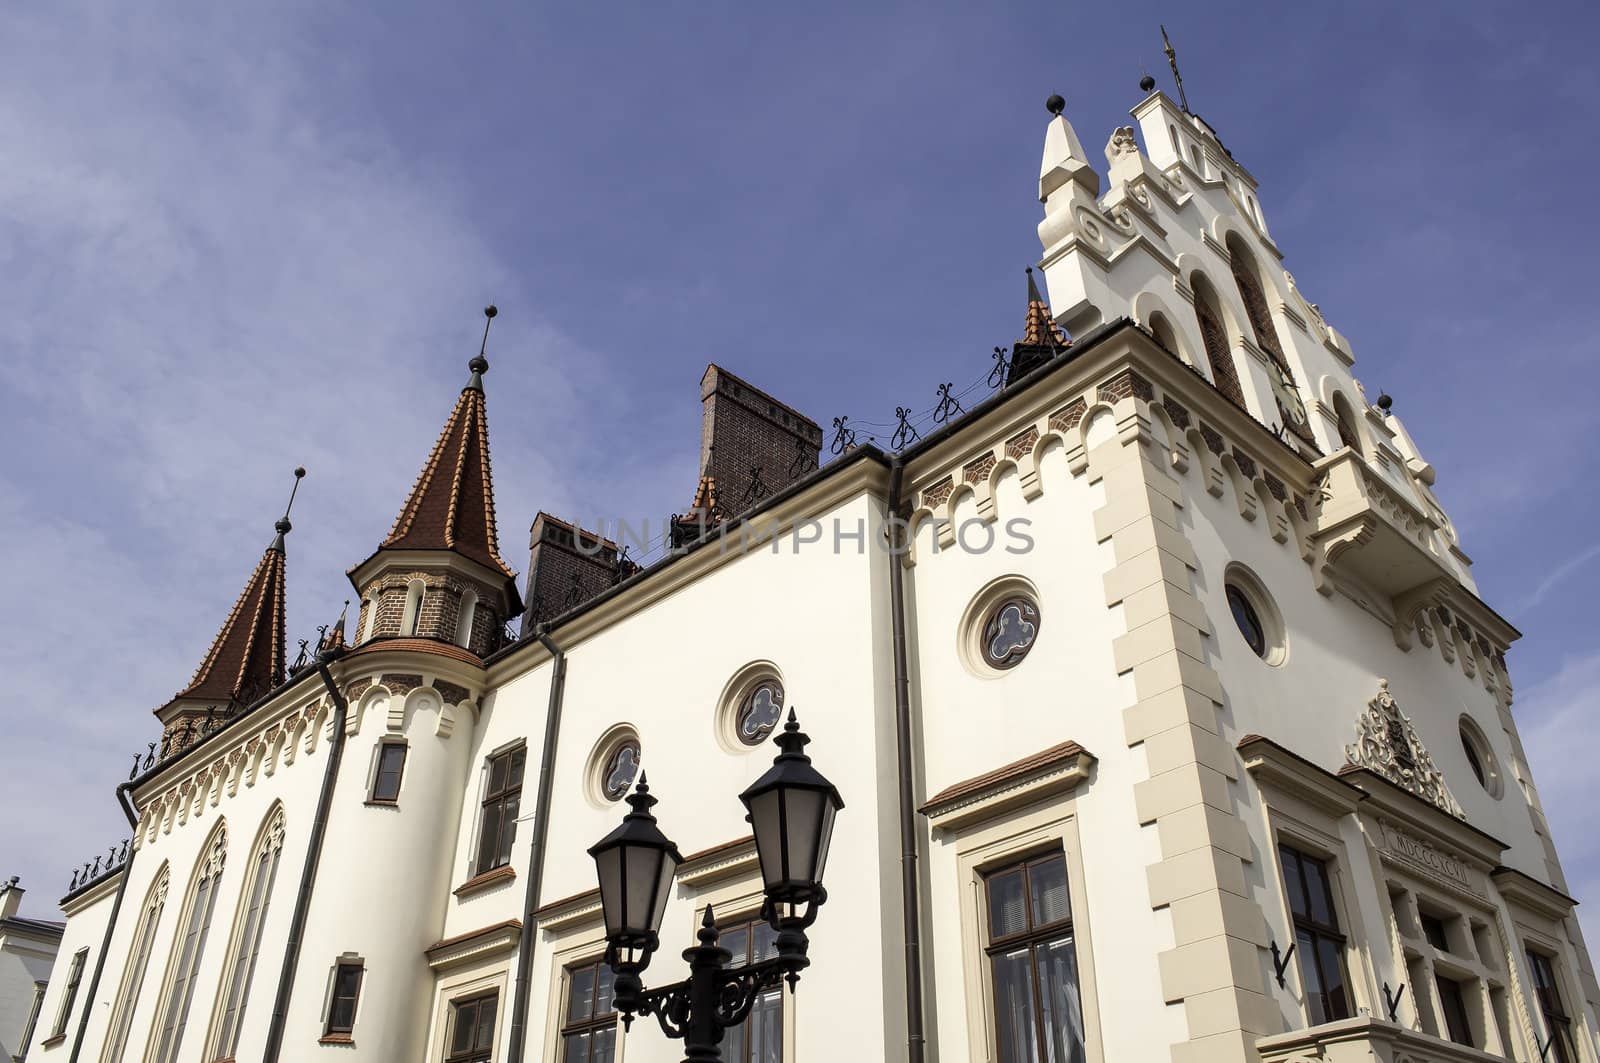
(536, 849)
(910, 892)
(308, 876)
(111, 924)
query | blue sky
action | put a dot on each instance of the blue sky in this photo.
(235, 240)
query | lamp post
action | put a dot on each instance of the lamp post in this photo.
(790, 810)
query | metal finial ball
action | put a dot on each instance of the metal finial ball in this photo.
(1055, 104)
(299, 471)
(1385, 402)
(1147, 83)
(283, 526)
(490, 311)
(479, 364)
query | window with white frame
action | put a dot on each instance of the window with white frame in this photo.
(245, 947)
(144, 937)
(1318, 937)
(1552, 1008)
(411, 618)
(189, 948)
(1032, 961)
(502, 799)
(70, 994)
(759, 1039)
(471, 1034)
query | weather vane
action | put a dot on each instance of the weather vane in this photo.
(1172, 61)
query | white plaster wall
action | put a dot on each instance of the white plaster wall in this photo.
(23, 961)
(821, 617)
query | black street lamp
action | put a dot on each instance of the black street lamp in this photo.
(791, 810)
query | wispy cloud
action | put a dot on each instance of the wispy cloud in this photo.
(1559, 715)
(1558, 575)
(209, 280)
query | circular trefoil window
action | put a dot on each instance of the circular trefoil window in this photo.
(1009, 632)
(620, 769)
(759, 711)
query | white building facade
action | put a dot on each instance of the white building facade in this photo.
(1167, 718)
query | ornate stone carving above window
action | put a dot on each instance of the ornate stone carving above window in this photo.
(1387, 744)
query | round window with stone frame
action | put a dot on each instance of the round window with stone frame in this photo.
(1485, 766)
(1009, 632)
(1255, 615)
(621, 768)
(759, 712)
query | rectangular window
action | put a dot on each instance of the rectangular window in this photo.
(386, 781)
(33, 1017)
(472, 1028)
(759, 1039)
(1433, 930)
(74, 975)
(342, 1003)
(1319, 945)
(589, 1030)
(1558, 1025)
(501, 798)
(1033, 963)
(1455, 1010)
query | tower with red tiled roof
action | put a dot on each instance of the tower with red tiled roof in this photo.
(439, 574)
(246, 659)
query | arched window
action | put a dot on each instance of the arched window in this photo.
(1291, 410)
(1164, 333)
(464, 618)
(1215, 338)
(369, 622)
(1345, 418)
(240, 965)
(144, 937)
(412, 617)
(188, 947)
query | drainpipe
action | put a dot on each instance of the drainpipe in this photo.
(910, 892)
(111, 924)
(536, 850)
(308, 875)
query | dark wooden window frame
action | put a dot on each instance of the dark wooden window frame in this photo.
(594, 1022)
(332, 1030)
(374, 796)
(1319, 932)
(473, 1053)
(497, 800)
(1030, 937)
(1453, 1002)
(749, 922)
(1547, 991)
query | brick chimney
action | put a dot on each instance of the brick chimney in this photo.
(566, 567)
(751, 446)
(10, 898)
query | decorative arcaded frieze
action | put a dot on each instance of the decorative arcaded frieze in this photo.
(1022, 444)
(939, 492)
(1214, 441)
(975, 472)
(1176, 411)
(1124, 384)
(400, 683)
(1068, 417)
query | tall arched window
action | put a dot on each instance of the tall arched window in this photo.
(1215, 338)
(144, 937)
(465, 616)
(412, 617)
(1345, 418)
(1291, 410)
(369, 622)
(240, 965)
(1164, 333)
(190, 945)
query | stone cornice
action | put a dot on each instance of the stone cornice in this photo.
(578, 910)
(1047, 773)
(1523, 889)
(474, 945)
(1273, 765)
(1386, 799)
(719, 862)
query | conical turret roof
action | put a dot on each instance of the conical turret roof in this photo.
(246, 659)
